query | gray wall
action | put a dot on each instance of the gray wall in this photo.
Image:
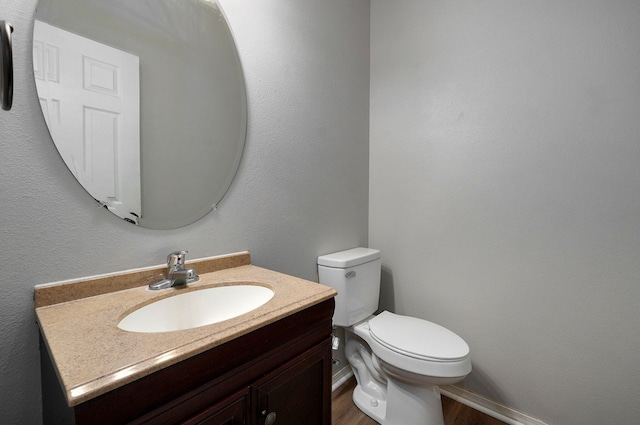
(301, 190)
(505, 192)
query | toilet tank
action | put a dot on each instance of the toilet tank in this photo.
(355, 274)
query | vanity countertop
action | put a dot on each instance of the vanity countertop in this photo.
(93, 356)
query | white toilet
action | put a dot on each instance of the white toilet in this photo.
(398, 361)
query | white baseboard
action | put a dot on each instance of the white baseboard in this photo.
(491, 408)
(340, 377)
(466, 397)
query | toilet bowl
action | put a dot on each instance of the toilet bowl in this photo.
(398, 361)
(405, 359)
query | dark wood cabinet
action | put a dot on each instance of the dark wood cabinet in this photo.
(231, 411)
(294, 393)
(283, 368)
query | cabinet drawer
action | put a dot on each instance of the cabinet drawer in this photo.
(231, 411)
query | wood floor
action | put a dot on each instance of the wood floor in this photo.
(344, 412)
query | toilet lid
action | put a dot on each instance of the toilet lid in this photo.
(417, 338)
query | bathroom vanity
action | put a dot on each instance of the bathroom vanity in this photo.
(269, 366)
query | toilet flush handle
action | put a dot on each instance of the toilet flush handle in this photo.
(349, 274)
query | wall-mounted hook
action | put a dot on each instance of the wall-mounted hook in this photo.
(6, 60)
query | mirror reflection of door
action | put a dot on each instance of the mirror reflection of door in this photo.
(90, 97)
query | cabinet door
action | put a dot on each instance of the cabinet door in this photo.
(231, 411)
(299, 392)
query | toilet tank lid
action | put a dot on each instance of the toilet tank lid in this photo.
(349, 258)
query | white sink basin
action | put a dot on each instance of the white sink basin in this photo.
(196, 308)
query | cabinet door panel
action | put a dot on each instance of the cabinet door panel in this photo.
(296, 393)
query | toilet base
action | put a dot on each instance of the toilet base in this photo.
(412, 405)
(406, 405)
(371, 406)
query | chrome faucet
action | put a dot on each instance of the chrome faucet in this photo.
(177, 274)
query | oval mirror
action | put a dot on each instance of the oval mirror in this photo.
(145, 101)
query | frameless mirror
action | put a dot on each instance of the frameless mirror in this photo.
(145, 101)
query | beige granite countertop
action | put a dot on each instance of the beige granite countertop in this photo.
(93, 356)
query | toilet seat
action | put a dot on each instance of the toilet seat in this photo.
(415, 337)
(416, 345)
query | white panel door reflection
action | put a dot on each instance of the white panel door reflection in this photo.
(90, 97)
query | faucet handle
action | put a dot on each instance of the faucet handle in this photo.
(176, 259)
